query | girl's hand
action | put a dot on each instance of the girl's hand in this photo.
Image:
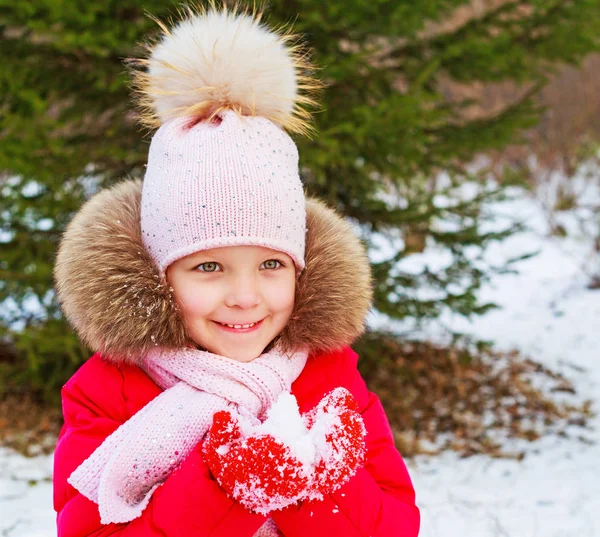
(261, 472)
(344, 449)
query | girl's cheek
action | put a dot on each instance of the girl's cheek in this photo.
(281, 294)
(195, 302)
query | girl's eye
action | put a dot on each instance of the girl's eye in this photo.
(210, 266)
(272, 264)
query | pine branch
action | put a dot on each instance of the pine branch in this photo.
(418, 48)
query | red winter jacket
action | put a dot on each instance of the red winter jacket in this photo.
(379, 501)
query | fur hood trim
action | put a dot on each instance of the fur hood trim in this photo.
(113, 295)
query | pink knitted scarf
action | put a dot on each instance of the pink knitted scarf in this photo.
(122, 474)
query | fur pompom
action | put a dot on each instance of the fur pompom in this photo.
(225, 59)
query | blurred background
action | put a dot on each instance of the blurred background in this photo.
(461, 138)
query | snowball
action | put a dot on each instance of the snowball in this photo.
(315, 440)
(285, 423)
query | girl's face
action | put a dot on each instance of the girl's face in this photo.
(235, 300)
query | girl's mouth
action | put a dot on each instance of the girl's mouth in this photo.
(239, 328)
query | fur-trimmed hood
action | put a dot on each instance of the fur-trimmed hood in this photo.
(113, 295)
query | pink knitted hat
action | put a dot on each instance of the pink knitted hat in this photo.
(221, 170)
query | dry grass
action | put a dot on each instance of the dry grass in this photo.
(441, 398)
(28, 426)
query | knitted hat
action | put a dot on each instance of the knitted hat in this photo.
(221, 169)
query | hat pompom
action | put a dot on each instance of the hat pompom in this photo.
(217, 60)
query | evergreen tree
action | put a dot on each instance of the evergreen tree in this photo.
(385, 133)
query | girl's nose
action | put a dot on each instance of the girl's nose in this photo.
(244, 294)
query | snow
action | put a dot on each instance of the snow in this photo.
(306, 441)
(285, 424)
(290, 457)
(548, 313)
(26, 496)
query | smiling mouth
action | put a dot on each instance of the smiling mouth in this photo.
(248, 327)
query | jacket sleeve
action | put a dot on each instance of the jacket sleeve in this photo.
(188, 503)
(379, 501)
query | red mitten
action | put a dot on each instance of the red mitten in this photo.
(259, 471)
(288, 457)
(341, 451)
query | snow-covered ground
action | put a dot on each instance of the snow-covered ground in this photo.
(26, 496)
(555, 491)
(548, 313)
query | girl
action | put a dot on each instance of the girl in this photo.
(211, 292)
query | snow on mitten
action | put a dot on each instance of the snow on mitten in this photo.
(339, 434)
(270, 465)
(258, 471)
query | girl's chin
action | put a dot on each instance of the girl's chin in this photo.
(233, 352)
(244, 358)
